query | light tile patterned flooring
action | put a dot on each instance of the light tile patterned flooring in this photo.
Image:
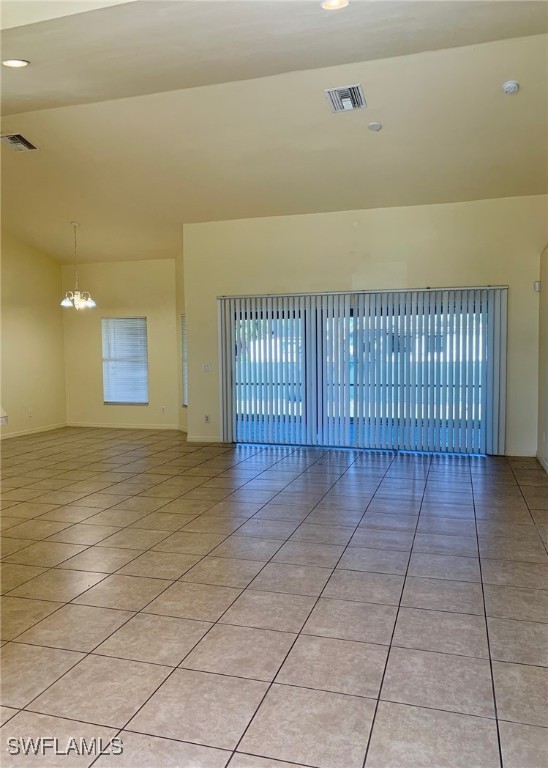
(262, 607)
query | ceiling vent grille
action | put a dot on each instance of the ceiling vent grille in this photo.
(346, 98)
(17, 142)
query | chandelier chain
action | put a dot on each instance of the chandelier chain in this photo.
(75, 226)
(77, 299)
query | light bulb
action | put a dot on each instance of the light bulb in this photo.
(15, 63)
(79, 302)
(334, 5)
(90, 303)
(66, 302)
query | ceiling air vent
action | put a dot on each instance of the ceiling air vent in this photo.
(17, 142)
(345, 98)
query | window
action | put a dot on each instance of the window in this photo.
(184, 358)
(125, 361)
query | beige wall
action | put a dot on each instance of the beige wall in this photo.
(542, 452)
(33, 376)
(484, 242)
(494, 242)
(123, 289)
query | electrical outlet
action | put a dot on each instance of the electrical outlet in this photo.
(29, 413)
(206, 418)
(163, 409)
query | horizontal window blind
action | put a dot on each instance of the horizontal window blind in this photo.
(414, 370)
(125, 360)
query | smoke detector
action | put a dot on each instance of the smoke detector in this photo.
(510, 87)
(346, 98)
(17, 142)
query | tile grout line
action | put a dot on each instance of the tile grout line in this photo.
(493, 691)
(181, 578)
(213, 624)
(299, 634)
(86, 654)
(217, 621)
(370, 736)
(544, 543)
(171, 584)
(89, 547)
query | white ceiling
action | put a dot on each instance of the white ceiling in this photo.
(152, 46)
(132, 170)
(18, 13)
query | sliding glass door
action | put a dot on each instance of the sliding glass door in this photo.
(405, 370)
(414, 370)
(267, 369)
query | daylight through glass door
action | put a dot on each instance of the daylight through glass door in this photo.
(412, 370)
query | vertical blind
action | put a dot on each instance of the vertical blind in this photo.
(414, 370)
(125, 360)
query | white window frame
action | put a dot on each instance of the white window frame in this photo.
(140, 358)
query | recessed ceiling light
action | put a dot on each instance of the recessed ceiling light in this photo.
(334, 5)
(510, 87)
(375, 127)
(15, 63)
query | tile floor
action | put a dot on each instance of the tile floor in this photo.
(262, 607)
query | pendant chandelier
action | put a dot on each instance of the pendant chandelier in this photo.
(77, 299)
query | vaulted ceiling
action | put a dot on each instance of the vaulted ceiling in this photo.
(149, 114)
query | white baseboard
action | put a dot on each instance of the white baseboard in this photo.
(34, 431)
(23, 432)
(199, 439)
(98, 425)
(543, 463)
